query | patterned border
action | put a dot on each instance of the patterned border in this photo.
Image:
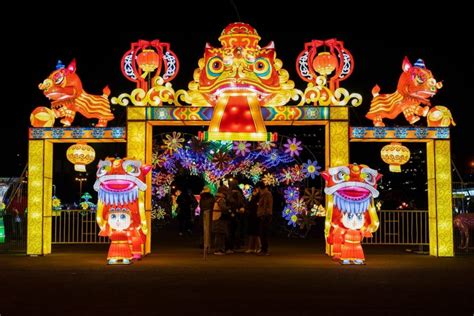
(399, 133)
(77, 133)
(278, 113)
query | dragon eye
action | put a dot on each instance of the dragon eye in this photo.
(132, 167)
(214, 68)
(262, 68)
(103, 168)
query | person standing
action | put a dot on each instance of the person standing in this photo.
(186, 205)
(253, 226)
(237, 208)
(220, 220)
(206, 204)
(264, 214)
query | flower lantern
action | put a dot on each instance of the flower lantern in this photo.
(80, 155)
(325, 63)
(395, 154)
(148, 60)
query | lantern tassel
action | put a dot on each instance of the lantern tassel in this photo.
(395, 168)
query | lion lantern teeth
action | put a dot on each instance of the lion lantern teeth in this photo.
(118, 198)
(349, 206)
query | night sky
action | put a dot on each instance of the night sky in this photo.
(378, 50)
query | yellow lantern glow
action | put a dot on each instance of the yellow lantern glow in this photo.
(395, 155)
(80, 155)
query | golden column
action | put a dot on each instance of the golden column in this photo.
(440, 208)
(337, 143)
(40, 185)
(337, 137)
(139, 146)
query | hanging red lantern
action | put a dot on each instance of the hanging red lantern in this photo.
(325, 63)
(148, 60)
(395, 155)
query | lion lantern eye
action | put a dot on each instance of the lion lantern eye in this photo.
(132, 167)
(58, 78)
(339, 174)
(103, 168)
(369, 175)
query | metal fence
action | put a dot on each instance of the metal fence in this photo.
(401, 227)
(75, 227)
(397, 227)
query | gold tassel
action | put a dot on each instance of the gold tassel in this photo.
(141, 210)
(99, 218)
(374, 219)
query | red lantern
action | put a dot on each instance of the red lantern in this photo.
(325, 63)
(148, 60)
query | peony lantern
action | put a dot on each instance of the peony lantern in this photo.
(80, 155)
(148, 60)
(395, 154)
(325, 63)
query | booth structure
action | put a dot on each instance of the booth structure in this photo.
(155, 103)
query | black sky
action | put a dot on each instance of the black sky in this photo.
(378, 46)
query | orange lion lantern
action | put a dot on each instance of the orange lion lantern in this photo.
(64, 88)
(415, 86)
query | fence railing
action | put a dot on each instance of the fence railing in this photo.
(397, 227)
(401, 227)
(75, 227)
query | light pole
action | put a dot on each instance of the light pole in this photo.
(80, 179)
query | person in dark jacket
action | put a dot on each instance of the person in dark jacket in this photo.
(237, 208)
(264, 214)
(220, 220)
(186, 205)
(253, 225)
(206, 204)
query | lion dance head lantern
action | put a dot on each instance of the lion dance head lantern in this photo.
(351, 213)
(120, 209)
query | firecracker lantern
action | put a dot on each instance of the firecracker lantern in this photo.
(148, 60)
(80, 155)
(325, 63)
(395, 154)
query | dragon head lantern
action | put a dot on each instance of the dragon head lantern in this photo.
(120, 185)
(351, 213)
(237, 79)
(416, 86)
(64, 88)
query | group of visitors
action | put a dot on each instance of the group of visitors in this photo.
(229, 218)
